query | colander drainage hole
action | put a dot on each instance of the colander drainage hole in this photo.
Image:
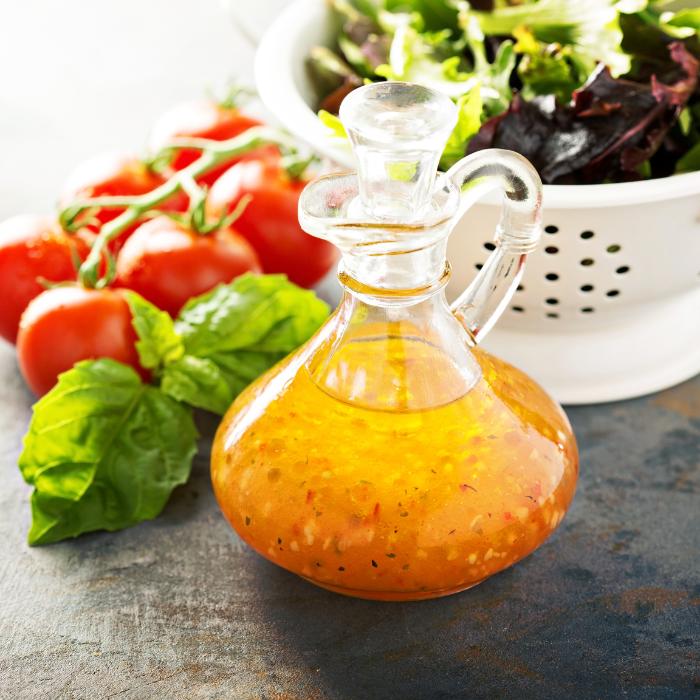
(551, 229)
(551, 314)
(587, 310)
(586, 287)
(612, 293)
(587, 262)
(551, 301)
(478, 266)
(490, 246)
(551, 249)
(520, 288)
(518, 309)
(622, 270)
(615, 248)
(586, 235)
(552, 276)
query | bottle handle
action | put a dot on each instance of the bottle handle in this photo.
(517, 234)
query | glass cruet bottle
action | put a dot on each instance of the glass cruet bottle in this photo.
(390, 457)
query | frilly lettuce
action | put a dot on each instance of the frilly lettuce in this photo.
(523, 55)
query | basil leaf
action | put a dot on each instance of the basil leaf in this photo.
(242, 367)
(246, 314)
(235, 333)
(158, 343)
(103, 452)
(199, 382)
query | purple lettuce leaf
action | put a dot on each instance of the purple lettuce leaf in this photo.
(608, 131)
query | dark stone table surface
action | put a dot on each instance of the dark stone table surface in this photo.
(179, 608)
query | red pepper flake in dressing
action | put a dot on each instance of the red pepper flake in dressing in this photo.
(464, 487)
(309, 496)
(374, 564)
(375, 512)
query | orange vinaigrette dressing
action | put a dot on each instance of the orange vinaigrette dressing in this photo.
(394, 504)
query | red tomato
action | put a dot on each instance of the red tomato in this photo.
(115, 175)
(270, 222)
(167, 263)
(32, 247)
(204, 119)
(67, 324)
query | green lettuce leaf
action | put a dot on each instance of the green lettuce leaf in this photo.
(494, 77)
(690, 161)
(681, 24)
(591, 28)
(469, 108)
(104, 451)
(333, 124)
(436, 14)
(547, 69)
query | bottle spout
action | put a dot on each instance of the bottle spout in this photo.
(398, 132)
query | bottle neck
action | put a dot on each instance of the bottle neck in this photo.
(395, 279)
(394, 356)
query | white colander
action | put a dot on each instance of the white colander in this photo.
(610, 304)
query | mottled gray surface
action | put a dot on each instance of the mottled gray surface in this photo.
(178, 608)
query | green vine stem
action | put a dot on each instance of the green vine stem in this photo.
(213, 153)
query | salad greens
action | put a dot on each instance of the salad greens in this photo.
(104, 450)
(590, 92)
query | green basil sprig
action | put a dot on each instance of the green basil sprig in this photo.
(234, 333)
(105, 450)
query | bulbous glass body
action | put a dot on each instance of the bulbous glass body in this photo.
(387, 459)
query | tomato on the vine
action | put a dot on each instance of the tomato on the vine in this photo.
(32, 248)
(115, 175)
(168, 263)
(204, 119)
(270, 222)
(64, 325)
